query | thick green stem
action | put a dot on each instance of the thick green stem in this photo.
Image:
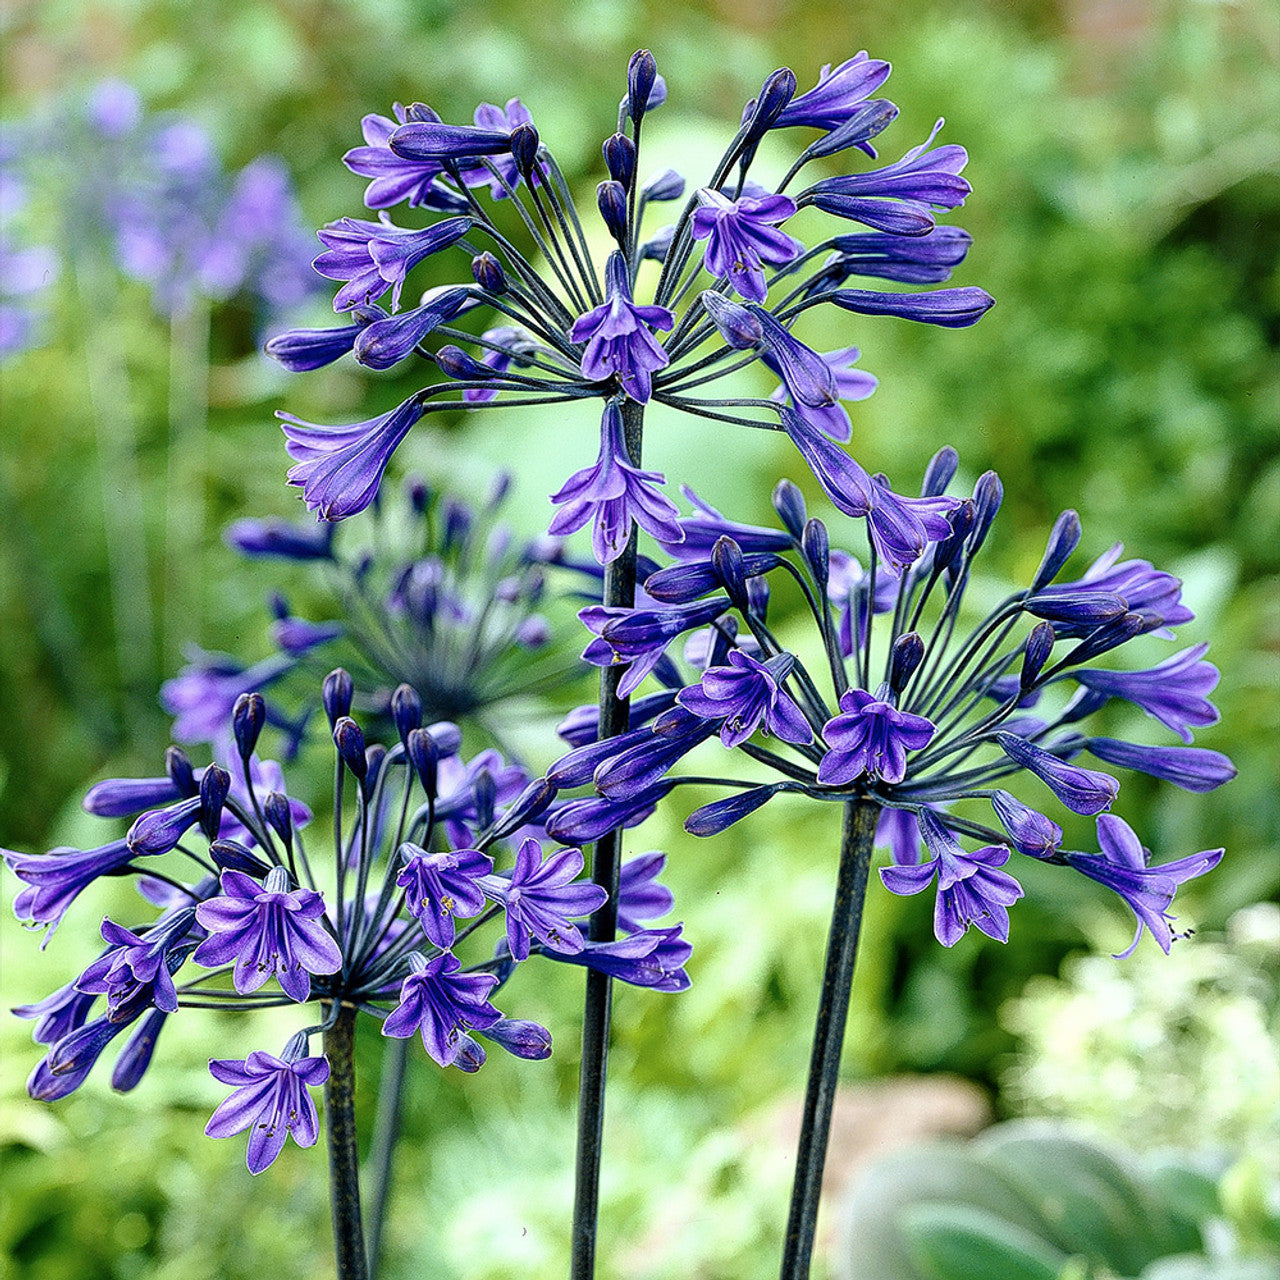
(856, 842)
(344, 1165)
(619, 590)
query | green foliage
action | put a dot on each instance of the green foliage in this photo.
(1031, 1201)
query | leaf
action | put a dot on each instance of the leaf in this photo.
(957, 1242)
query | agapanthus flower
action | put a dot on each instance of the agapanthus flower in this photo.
(572, 328)
(368, 927)
(443, 597)
(934, 715)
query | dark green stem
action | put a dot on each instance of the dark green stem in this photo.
(344, 1165)
(619, 590)
(386, 1130)
(856, 842)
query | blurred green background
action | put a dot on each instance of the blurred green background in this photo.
(1126, 216)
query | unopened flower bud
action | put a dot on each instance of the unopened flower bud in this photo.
(336, 695)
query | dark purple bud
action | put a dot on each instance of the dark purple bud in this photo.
(788, 502)
(485, 792)
(1035, 655)
(177, 765)
(524, 149)
(125, 797)
(1082, 790)
(349, 740)
(666, 184)
(432, 140)
(418, 493)
(471, 1055)
(458, 520)
(946, 552)
(642, 75)
(215, 782)
(620, 159)
(231, 855)
(775, 93)
(1063, 539)
(420, 113)
(1084, 608)
(726, 557)
(375, 756)
(949, 308)
(905, 657)
(738, 327)
(247, 718)
(939, 473)
(1107, 637)
(1031, 832)
(1191, 768)
(816, 546)
(279, 815)
(424, 755)
(611, 200)
(487, 272)
(406, 710)
(521, 1038)
(714, 818)
(336, 695)
(263, 539)
(135, 1057)
(528, 806)
(453, 362)
(867, 120)
(988, 494)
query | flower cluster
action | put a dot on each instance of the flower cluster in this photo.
(567, 332)
(441, 597)
(150, 190)
(421, 853)
(928, 710)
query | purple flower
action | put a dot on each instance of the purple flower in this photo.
(498, 119)
(442, 1003)
(947, 308)
(385, 342)
(1122, 867)
(641, 637)
(134, 962)
(619, 338)
(809, 380)
(541, 899)
(585, 820)
(1031, 832)
(1081, 790)
(926, 259)
(339, 469)
(270, 1099)
(271, 538)
(900, 197)
(58, 1014)
(851, 384)
(837, 94)
(970, 889)
(55, 879)
(440, 887)
(394, 178)
(1151, 592)
(371, 257)
(742, 235)
(640, 896)
(870, 736)
(613, 494)
(1191, 768)
(642, 758)
(1173, 692)
(745, 694)
(652, 958)
(202, 694)
(268, 931)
